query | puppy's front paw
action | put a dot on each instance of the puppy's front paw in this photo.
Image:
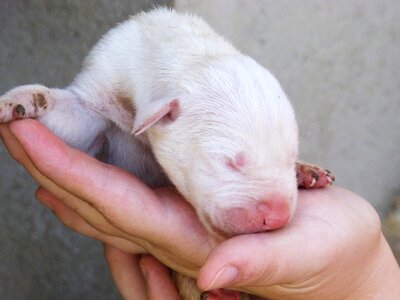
(29, 101)
(312, 176)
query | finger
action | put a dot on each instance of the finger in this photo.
(310, 243)
(126, 273)
(258, 263)
(165, 224)
(90, 214)
(117, 195)
(228, 265)
(254, 266)
(74, 221)
(159, 283)
(12, 145)
(98, 182)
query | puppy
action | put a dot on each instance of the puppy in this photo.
(175, 103)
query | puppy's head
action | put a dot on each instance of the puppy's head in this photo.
(229, 143)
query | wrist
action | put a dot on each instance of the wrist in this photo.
(383, 281)
(373, 276)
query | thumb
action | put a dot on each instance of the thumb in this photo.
(256, 260)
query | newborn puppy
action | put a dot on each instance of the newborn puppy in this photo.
(169, 100)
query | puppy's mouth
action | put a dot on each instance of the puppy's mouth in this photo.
(259, 217)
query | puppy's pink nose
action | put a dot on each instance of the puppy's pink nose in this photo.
(276, 213)
(263, 216)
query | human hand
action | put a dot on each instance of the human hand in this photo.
(106, 203)
(332, 246)
(140, 278)
(332, 249)
(355, 269)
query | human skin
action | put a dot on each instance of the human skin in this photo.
(332, 249)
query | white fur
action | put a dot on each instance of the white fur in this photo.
(227, 104)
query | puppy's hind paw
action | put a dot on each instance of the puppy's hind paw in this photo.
(30, 101)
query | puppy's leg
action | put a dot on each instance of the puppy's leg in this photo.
(311, 176)
(61, 111)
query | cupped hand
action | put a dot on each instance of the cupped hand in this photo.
(106, 203)
(140, 277)
(329, 250)
(332, 248)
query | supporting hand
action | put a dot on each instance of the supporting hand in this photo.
(332, 249)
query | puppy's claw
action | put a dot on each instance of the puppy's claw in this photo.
(311, 176)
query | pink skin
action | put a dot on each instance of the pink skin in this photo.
(276, 212)
(268, 215)
(238, 162)
(169, 111)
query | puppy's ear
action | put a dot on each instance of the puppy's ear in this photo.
(160, 111)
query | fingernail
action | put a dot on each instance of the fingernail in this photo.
(224, 277)
(46, 202)
(144, 272)
(143, 269)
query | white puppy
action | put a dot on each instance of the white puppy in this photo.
(174, 102)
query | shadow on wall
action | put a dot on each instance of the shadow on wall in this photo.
(45, 42)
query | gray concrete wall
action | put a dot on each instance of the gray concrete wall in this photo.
(44, 42)
(339, 62)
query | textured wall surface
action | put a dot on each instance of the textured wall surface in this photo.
(339, 62)
(44, 41)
